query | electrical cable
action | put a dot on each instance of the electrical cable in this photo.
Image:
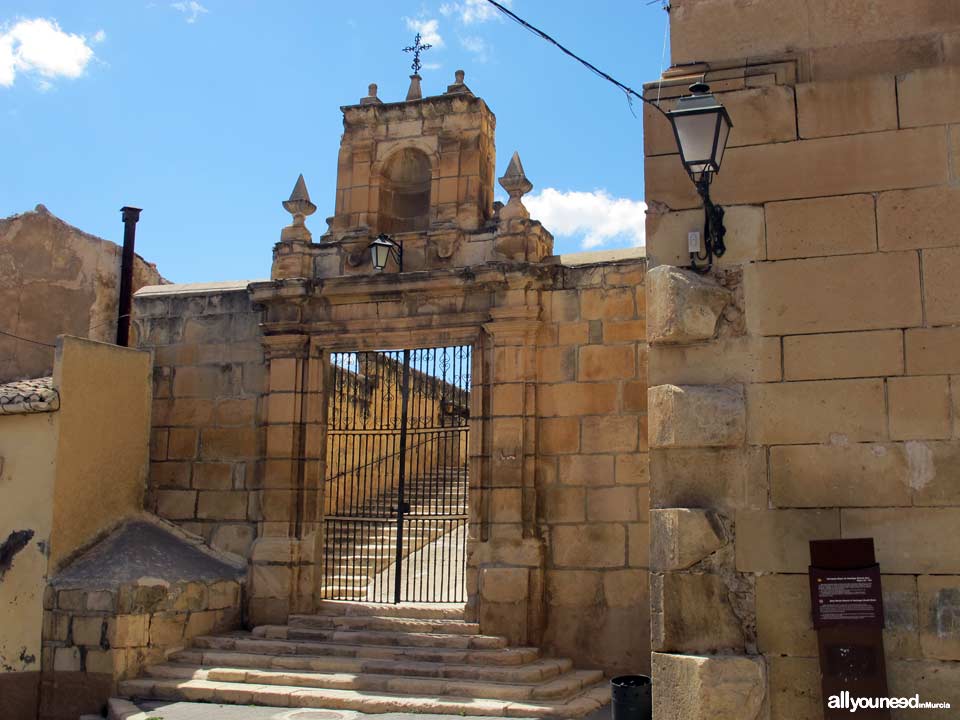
(18, 337)
(628, 91)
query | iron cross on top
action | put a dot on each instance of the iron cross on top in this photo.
(416, 49)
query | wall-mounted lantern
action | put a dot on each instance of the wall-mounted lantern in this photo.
(701, 126)
(382, 249)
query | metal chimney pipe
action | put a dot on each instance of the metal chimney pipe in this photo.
(130, 217)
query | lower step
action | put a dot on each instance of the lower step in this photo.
(298, 697)
(564, 687)
(382, 637)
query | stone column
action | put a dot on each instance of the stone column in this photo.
(506, 554)
(703, 626)
(285, 553)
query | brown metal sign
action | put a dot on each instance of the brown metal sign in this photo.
(847, 605)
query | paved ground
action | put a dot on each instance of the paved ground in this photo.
(206, 711)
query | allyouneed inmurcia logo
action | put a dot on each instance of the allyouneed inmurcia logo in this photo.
(845, 701)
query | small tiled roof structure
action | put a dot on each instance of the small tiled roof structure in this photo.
(29, 396)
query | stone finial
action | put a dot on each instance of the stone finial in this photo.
(458, 86)
(371, 98)
(299, 204)
(515, 182)
(414, 93)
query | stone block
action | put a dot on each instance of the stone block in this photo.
(918, 218)
(920, 407)
(213, 476)
(681, 537)
(606, 362)
(692, 687)
(224, 594)
(816, 412)
(778, 540)
(632, 469)
(718, 479)
(933, 680)
(667, 232)
(200, 623)
(841, 475)
(236, 411)
(696, 416)
(88, 630)
(613, 504)
(568, 399)
(101, 600)
(932, 472)
(563, 504)
(619, 331)
(683, 307)
(100, 661)
(225, 505)
(607, 304)
(841, 225)
(843, 107)
(926, 96)
(129, 631)
(559, 435)
(908, 540)
(170, 475)
(176, 504)
(589, 546)
(850, 292)
(182, 444)
(66, 659)
(229, 443)
(933, 351)
(784, 623)
(692, 613)
(794, 688)
(843, 355)
(610, 433)
(724, 361)
(270, 581)
(901, 635)
(635, 396)
(556, 364)
(939, 600)
(940, 271)
(504, 585)
(234, 538)
(166, 629)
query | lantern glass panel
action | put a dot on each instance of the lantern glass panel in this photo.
(380, 252)
(696, 133)
(722, 137)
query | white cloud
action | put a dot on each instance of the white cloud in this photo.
(40, 46)
(99, 36)
(191, 8)
(428, 29)
(476, 45)
(596, 218)
(473, 11)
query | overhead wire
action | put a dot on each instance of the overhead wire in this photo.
(18, 337)
(627, 90)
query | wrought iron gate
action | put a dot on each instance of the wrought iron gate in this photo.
(396, 485)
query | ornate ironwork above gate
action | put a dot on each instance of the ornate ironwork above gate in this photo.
(396, 485)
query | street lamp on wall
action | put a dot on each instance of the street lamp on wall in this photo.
(381, 251)
(701, 127)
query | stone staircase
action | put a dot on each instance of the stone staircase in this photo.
(413, 658)
(357, 559)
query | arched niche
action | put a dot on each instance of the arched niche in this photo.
(405, 192)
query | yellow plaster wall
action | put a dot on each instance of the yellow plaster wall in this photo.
(27, 451)
(103, 440)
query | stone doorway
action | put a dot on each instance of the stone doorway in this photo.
(395, 502)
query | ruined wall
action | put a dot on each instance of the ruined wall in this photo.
(207, 439)
(56, 279)
(103, 435)
(592, 465)
(808, 387)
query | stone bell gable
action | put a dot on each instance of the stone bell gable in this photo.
(423, 172)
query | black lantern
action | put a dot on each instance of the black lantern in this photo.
(701, 126)
(380, 251)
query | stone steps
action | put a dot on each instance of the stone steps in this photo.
(367, 702)
(564, 686)
(251, 644)
(536, 670)
(381, 637)
(375, 658)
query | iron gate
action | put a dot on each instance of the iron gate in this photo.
(396, 486)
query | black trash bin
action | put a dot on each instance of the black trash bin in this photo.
(631, 698)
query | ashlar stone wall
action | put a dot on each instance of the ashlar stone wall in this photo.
(808, 386)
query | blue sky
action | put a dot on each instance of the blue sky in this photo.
(204, 112)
